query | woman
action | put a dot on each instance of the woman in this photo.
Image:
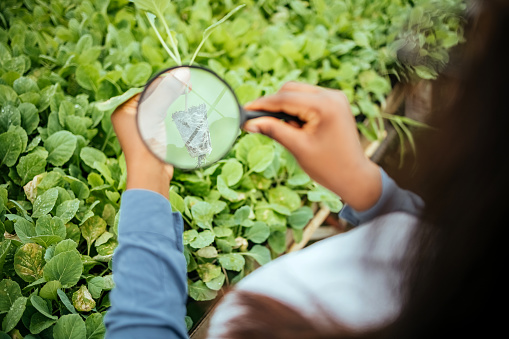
(402, 274)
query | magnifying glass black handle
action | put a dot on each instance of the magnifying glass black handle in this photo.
(279, 115)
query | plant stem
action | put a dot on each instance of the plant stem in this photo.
(162, 41)
(173, 44)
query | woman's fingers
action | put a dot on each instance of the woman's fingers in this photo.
(289, 136)
(292, 86)
(304, 105)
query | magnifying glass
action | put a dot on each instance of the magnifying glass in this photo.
(189, 117)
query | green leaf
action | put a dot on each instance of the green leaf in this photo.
(258, 233)
(65, 267)
(70, 326)
(154, 6)
(44, 203)
(203, 213)
(200, 292)
(95, 286)
(232, 172)
(24, 230)
(61, 146)
(216, 283)
(41, 306)
(91, 156)
(65, 300)
(46, 225)
(300, 218)
(9, 116)
(31, 165)
(232, 261)
(67, 210)
(9, 292)
(177, 202)
(323, 195)
(283, 195)
(242, 214)
(114, 102)
(137, 74)
(29, 262)
(208, 271)
(49, 290)
(29, 117)
(14, 315)
(277, 241)
(260, 253)
(202, 239)
(88, 77)
(65, 246)
(92, 229)
(95, 326)
(260, 157)
(39, 322)
(12, 146)
(225, 191)
(207, 252)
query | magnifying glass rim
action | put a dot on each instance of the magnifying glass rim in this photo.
(143, 93)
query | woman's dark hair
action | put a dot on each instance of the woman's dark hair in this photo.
(454, 270)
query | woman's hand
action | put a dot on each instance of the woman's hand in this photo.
(327, 146)
(144, 170)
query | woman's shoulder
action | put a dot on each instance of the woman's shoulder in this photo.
(352, 276)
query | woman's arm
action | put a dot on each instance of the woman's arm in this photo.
(149, 267)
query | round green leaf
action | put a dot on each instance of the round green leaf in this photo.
(208, 271)
(300, 218)
(12, 146)
(137, 74)
(199, 291)
(61, 146)
(207, 252)
(95, 326)
(31, 165)
(232, 172)
(260, 253)
(49, 290)
(283, 195)
(88, 76)
(39, 322)
(9, 292)
(67, 210)
(202, 239)
(260, 157)
(70, 326)
(232, 261)
(44, 203)
(65, 267)
(258, 233)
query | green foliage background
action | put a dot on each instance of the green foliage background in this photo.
(62, 171)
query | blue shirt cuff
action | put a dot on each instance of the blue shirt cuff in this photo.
(392, 199)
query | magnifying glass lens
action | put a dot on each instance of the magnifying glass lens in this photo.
(188, 117)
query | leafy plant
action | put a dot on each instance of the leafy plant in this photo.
(66, 64)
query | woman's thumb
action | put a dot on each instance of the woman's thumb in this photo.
(282, 132)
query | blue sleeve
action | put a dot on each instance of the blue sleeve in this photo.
(393, 199)
(149, 270)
